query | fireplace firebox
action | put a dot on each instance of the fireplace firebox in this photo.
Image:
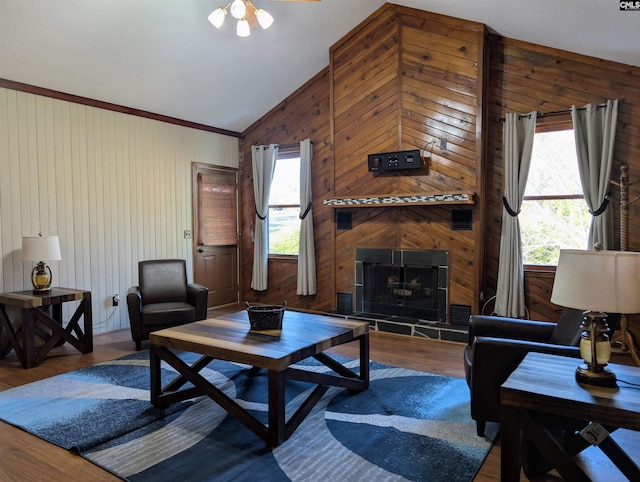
(411, 284)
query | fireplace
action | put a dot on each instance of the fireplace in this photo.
(406, 284)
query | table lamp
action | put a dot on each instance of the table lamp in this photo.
(39, 248)
(598, 282)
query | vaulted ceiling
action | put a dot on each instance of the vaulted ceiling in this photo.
(163, 56)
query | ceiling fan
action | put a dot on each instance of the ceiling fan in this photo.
(247, 14)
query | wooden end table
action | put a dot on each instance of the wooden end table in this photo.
(303, 335)
(545, 385)
(42, 312)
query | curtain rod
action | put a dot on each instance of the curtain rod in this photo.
(295, 144)
(556, 112)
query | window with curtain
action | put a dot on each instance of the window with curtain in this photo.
(554, 214)
(284, 204)
(218, 209)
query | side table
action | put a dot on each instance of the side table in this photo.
(545, 385)
(42, 312)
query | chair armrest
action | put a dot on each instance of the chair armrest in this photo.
(501, 351)
(134, 299)
(134, 307)
(198, 296)
(512, 328)
(492, 361)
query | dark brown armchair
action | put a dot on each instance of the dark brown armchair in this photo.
(496, 347)
(163, 298)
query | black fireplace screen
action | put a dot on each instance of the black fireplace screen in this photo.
(406, 283)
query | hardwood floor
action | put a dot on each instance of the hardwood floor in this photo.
(25, 457)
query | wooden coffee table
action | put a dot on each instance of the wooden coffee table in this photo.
(544, 385)
(229, 338)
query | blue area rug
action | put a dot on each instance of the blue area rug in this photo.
(408, 425)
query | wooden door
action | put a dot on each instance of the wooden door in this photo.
(216, 232)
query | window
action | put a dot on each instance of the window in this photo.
(284, 205)
(217, 208)
(554, 214)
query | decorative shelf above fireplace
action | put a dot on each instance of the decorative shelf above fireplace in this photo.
(403, 200)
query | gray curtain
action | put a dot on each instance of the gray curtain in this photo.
(595, 133)
(518, 143)
(264, 162)
(307, 250)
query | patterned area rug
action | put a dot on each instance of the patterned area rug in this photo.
(408, 425)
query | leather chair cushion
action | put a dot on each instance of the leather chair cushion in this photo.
(567, 330)
(163, 281)
(167, 314)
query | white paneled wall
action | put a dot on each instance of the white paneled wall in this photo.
(115, 188)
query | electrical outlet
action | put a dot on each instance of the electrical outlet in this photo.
(439, 142)
(187, 234)
(115, 300)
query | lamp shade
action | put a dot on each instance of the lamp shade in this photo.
(606, 281)
(41, 248)
(264, 18)
(238, 9)
(217, 17)
(243, 29)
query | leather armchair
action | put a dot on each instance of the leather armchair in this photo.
(496, 347)
(163, 298)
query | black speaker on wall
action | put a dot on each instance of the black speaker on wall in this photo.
(461, 219)
(460, 314)
(345, 303)
(344, 219)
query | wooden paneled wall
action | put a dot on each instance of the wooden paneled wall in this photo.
(304, 114)
(115, 188)
(524, 77)
(404, 77)
(398, 81)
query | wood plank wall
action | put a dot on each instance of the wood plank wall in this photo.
(304, 114)
(405, 76)
(525, 77)
(115, 188)
(398, 81)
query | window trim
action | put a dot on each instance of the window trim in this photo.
(553, 197)
(544, 126)
(290, 152)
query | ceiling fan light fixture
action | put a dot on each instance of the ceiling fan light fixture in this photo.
(238, 9)
(246, 13)
(264, 18)
(217, 17)
(243, 29)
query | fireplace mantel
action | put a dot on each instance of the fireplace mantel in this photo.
(400, 200)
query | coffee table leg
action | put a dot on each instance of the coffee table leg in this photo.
(364, 359)
(509, 444)
(154, 373)
(277, 425)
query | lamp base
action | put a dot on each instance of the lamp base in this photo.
(42, 291)
(41, 278)
(602, 378)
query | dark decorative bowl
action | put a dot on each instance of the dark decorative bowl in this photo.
(268, 317)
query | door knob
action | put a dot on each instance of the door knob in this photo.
(200, 250)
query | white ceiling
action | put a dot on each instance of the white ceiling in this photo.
(163, 56)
